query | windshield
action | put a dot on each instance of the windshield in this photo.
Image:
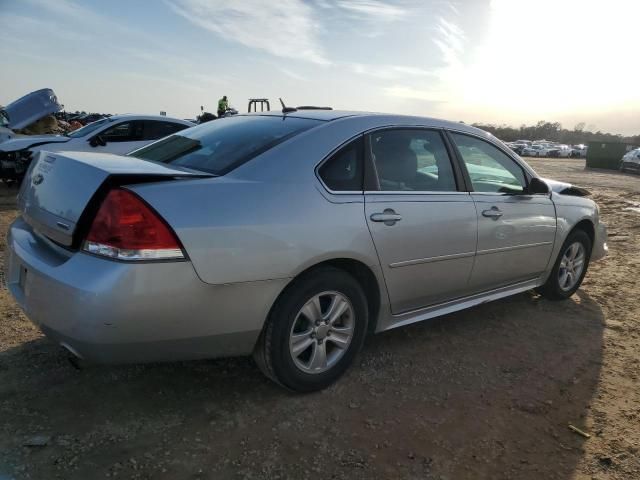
(221, 145)
(87, 129)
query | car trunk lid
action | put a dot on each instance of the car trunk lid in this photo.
(61, 189)
(32, 107)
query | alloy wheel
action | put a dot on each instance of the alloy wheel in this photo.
(322, 332)
(571, 266)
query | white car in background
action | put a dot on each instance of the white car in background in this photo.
(534, 151)
(119, 134)
(631, 161)
(564, 151)
(579, 151)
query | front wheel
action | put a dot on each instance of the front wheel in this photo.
(314, 331)
(570, 267)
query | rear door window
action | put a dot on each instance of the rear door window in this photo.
(411, 160)
(155, 129)
(219, 146)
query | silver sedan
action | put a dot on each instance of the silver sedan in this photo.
(288, 236)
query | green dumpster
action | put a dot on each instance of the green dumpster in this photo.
(607, 154)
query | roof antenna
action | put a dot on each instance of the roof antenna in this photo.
(286, 109)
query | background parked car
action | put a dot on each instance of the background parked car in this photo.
(631, 161)
(117, 134)
(517, 147)
(579, 151)
(27, 110)
(532, 151)
(564, 151)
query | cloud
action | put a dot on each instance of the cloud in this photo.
(285, 28)
(388, 72)
(294, 75)
(416, 94)
(372, 8)
(450, 40)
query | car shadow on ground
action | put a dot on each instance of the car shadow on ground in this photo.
(484, 393)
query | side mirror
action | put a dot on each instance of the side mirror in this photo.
(538, 187)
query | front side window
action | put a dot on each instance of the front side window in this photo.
(89, 128)
(219, 146)
(124, 132)
(343, 171)
(490, 169)
(411, 160)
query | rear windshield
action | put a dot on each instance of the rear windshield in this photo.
(221, 145)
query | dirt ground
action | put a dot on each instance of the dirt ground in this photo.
(484, 393)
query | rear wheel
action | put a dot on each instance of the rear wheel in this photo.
(570, 267)
(314, 330)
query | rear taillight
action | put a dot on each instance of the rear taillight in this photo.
(126, 228)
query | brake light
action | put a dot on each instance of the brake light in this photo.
(126, 228)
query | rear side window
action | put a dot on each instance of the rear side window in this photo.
(221, 145)
(343, 171)
(155, 129)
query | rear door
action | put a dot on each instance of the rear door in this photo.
(423, 226)
(153, 130)
(516, 230)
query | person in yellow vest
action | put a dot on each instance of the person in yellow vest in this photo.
(223, 104)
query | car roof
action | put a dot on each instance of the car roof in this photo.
(134, 116)
(385, 118)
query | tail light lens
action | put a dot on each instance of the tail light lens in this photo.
(126, 228)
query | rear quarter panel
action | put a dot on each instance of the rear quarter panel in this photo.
(239, 230)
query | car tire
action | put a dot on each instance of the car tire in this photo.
(561, 283)
(290, 327)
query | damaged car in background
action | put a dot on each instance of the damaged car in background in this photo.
(117, 134)
(20, 116)
(333, 224)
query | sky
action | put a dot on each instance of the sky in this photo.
(490, 61)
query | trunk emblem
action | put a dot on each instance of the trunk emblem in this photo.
(38, 179)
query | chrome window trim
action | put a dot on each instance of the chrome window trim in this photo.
(412, 192)
(503, 194)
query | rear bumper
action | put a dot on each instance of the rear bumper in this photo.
(116, 312)
(600, 248)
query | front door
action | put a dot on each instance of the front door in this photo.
(516, 230)
(423, 227)
(122, 137)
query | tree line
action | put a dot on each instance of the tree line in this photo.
(553, 131)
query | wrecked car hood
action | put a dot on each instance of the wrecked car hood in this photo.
(560, 187)
(29, 141)
(32, 107)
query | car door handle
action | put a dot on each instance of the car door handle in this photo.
(493, 212)
(389, 217)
